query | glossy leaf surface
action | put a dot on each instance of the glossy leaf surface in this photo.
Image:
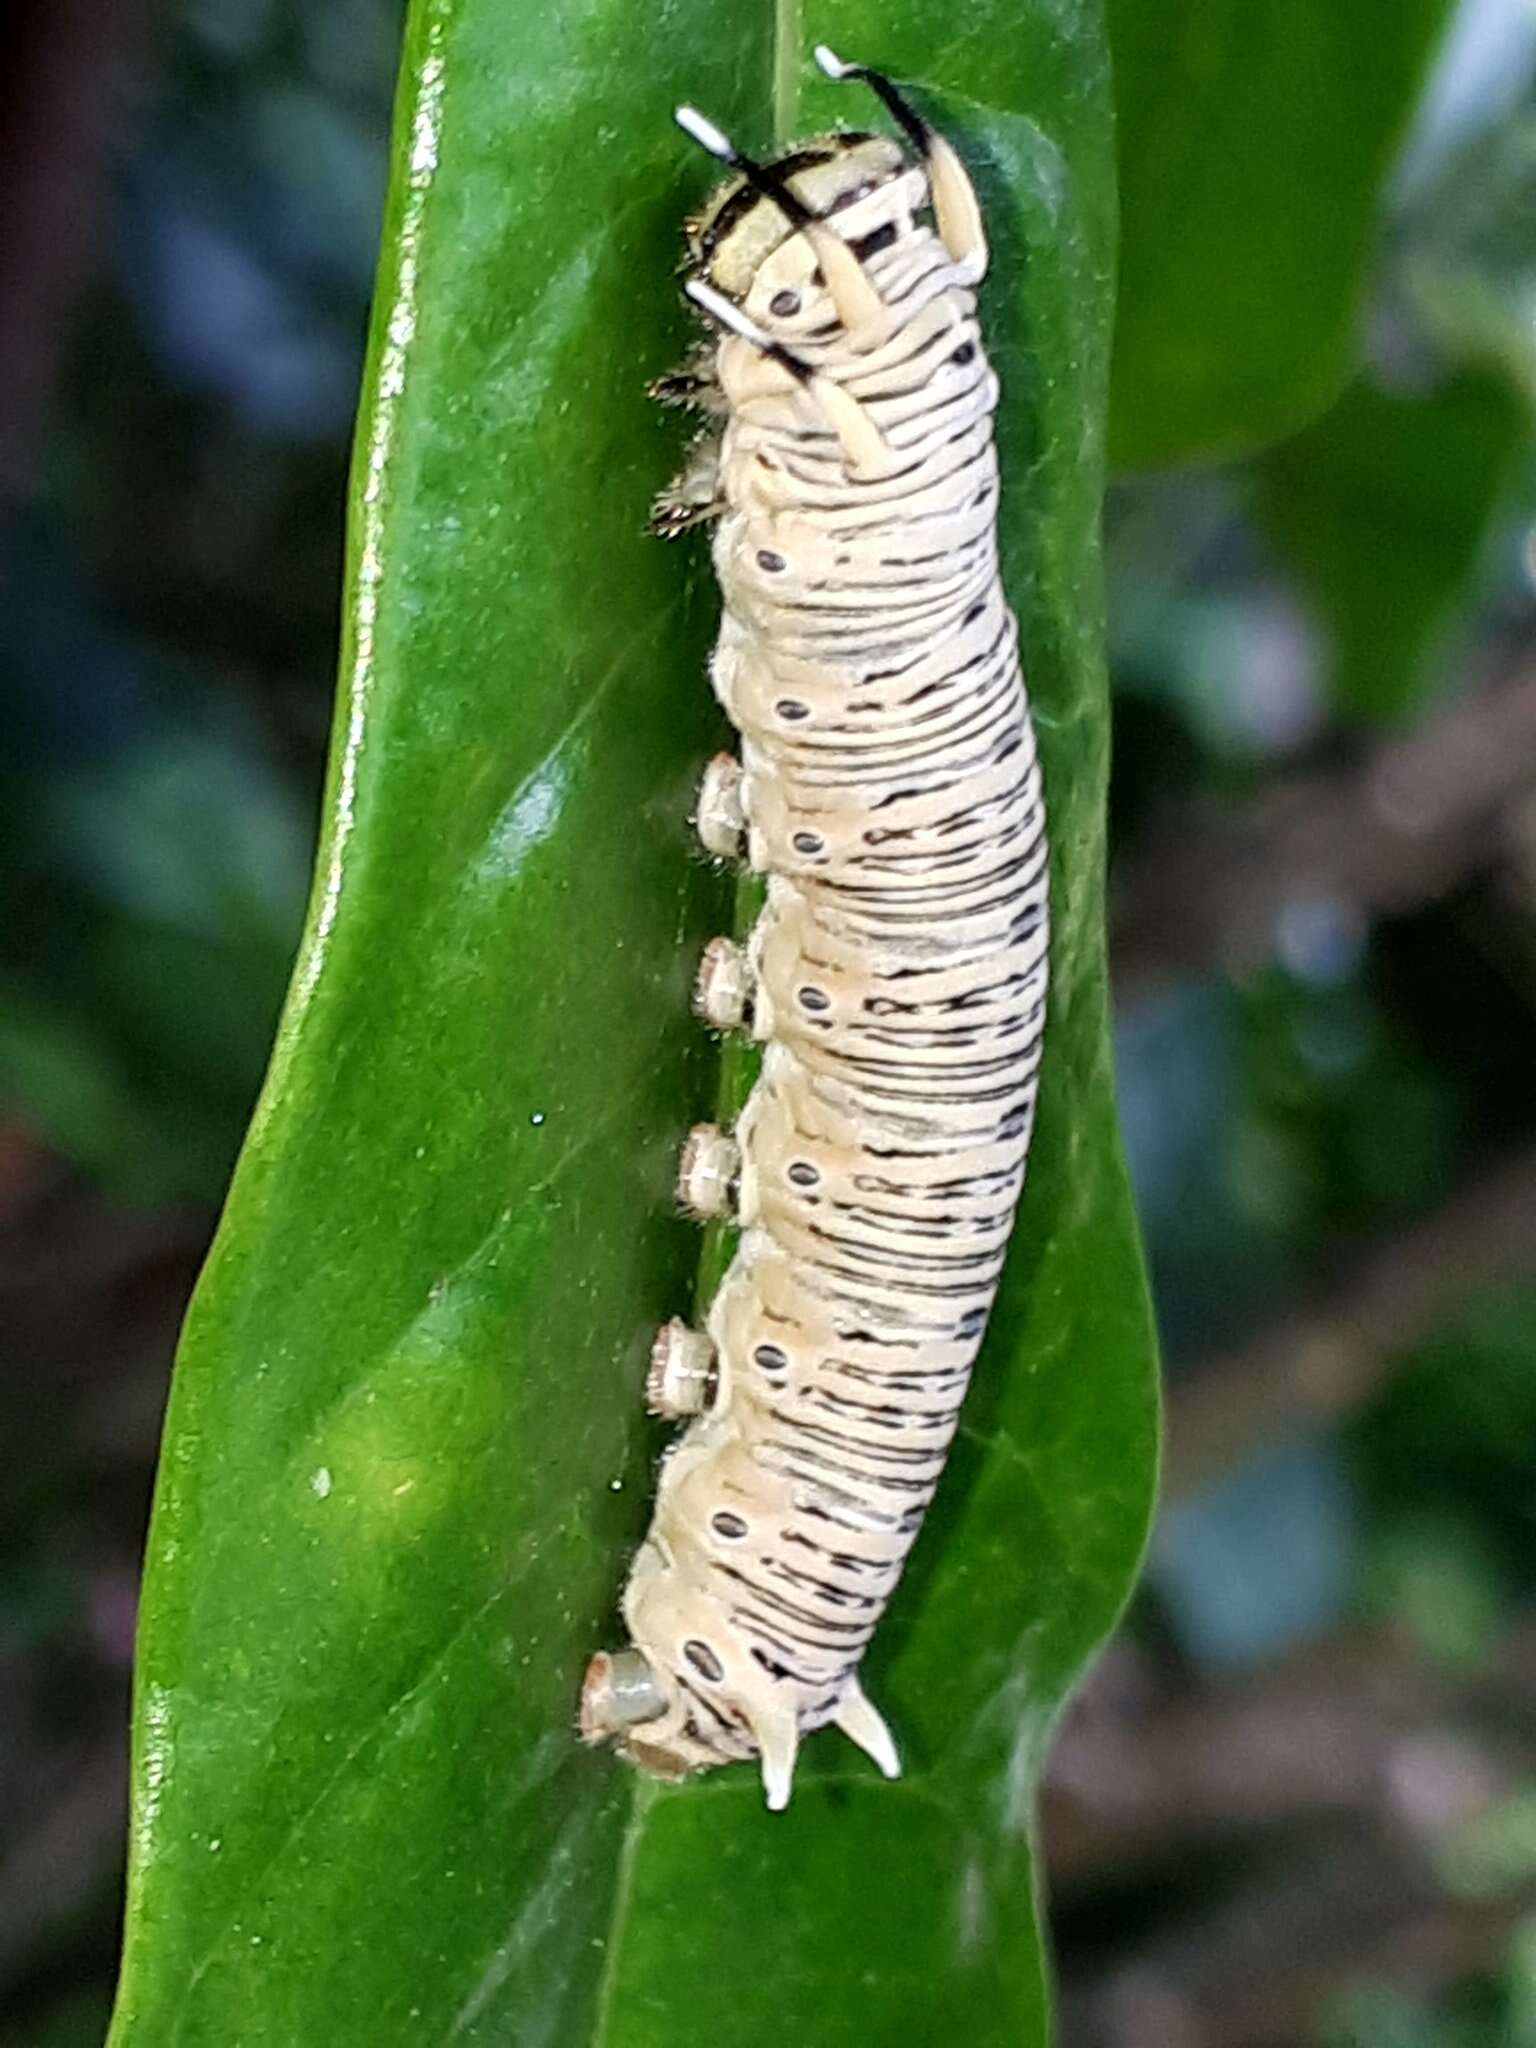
(1382, 511)
(405, 1460)
(1254, 138)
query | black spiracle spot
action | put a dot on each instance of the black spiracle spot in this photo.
(965, 353)
(803, 1174)
(872, 243)
(771, 1358)
(812, 998)
(728, 1525)
(808, 842)
(704, 1661)
(784, 305)
(767, 559)
(792, 709)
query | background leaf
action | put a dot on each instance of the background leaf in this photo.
(405, 1459)
(1383, 510)
(1470, 271)
(1253, 138)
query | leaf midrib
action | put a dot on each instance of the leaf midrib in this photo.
(787, 61)
(785, 69)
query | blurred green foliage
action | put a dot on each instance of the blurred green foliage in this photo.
(1382, 510)
(1466, 270)
(1494, 2014)
(1254, 140)
(1448, 1444)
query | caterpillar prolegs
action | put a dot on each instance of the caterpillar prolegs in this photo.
(888, 790)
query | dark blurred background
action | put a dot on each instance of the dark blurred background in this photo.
(1297, 1802)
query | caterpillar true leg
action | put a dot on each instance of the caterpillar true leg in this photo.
(694, 385)
(693, 496)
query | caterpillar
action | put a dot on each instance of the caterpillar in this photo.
(888, 789)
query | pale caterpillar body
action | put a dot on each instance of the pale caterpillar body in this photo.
(889, 791)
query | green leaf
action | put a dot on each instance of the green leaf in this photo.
(1383, 512)
(405, 1460)
(1469, 270)
(1254, 136)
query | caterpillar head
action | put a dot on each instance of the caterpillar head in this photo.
(744, 244)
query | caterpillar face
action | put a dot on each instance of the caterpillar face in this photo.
(741, 228)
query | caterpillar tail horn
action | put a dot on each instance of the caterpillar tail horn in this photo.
(863, 1725)
(778, 1739)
